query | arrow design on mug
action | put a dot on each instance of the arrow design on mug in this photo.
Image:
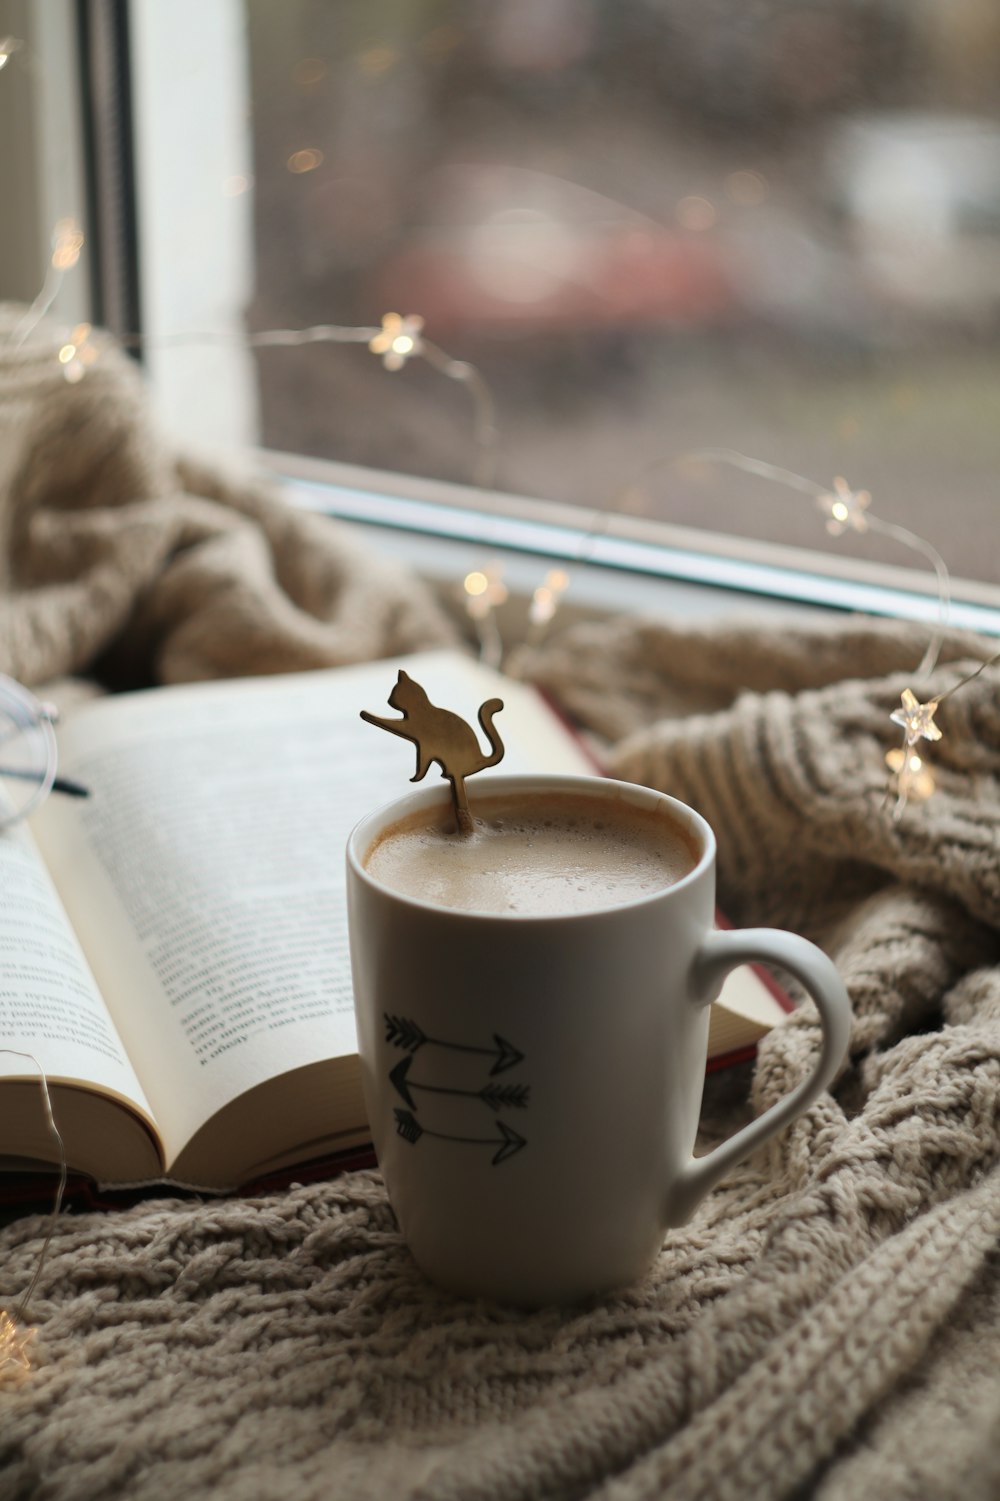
(497, 1096)
(507, 1143)
(402, 1032)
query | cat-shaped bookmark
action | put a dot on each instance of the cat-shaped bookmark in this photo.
(444, 737)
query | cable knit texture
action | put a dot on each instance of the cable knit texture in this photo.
(826, 1325)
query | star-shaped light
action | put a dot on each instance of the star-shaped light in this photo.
(399, 339)
(15, 1362)
(844, 508)
(916, 719)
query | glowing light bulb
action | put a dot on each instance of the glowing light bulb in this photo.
(398, 339)
(67, 242)
(911, 780)
(844, 508)
(8, 46)
(77, 354)
(484, 590)
(546, 598)
(306, 160)
(15, 1361)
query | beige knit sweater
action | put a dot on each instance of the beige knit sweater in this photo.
(828, 1324)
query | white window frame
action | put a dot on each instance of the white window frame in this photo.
(189, 63)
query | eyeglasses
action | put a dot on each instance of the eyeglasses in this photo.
(28, 754)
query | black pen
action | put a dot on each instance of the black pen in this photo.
(61, 784)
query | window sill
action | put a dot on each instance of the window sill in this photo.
(615, 562)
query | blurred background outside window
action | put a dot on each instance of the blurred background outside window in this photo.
(654, 226)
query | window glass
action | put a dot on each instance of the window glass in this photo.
(655, 227)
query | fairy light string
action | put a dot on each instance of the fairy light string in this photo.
(845, 509)
(398, 339)
(484, 591)
(395, 342)
(912, 780)
(67, 243)
(545, 601)
(16, 1335)
(401, 338)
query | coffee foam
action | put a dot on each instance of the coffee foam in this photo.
(535, 856)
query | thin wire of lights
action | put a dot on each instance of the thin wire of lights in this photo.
(16, 1335)
(912, 779)
(545, 602)
(401, 338)
(396, 341)
(846, 509)
(484, 591)
(67, 243)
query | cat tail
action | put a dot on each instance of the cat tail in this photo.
(486, 715)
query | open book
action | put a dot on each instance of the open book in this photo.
(175, 946)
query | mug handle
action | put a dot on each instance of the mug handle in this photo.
(719, 953)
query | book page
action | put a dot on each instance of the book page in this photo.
(205, 874)
(743, 1012)
(50, 1005)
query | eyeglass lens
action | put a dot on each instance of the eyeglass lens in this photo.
(27, 752)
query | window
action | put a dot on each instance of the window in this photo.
(655, 228)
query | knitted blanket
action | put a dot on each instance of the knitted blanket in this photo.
(829, 1322)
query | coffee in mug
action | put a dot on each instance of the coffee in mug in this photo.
(543, 856)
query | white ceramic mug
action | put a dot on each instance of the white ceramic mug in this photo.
(533, 1083)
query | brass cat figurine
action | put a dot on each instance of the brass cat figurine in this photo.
(442, 736)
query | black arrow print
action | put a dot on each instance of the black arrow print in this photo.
(402, 1032)
(508, 1142)
(497, 1096)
